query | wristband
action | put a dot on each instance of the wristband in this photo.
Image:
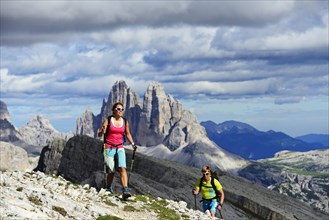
(221, 205)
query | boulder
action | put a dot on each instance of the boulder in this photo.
(13, 157)
(50, 157)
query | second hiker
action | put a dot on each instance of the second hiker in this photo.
(211, 190)
(114, 128)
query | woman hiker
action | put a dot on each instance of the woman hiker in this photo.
(114, 128)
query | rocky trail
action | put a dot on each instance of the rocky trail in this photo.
(35, 195)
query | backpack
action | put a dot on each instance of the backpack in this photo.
(108, 128)
(214, 176)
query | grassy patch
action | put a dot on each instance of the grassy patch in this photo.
(35, 200)
(108, 217)
(60, 210)
(308, 173)
(159, 207)
(142, 198)
(19, 189)
(110, 203)
(129, 208)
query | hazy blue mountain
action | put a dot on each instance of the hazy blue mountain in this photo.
(315, 138)
(248, 142)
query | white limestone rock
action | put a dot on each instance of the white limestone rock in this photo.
(39, 132)
(13, 157)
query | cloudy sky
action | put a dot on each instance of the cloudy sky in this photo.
(264, 63)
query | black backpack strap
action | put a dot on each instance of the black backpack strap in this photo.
(107, 127)
(124, 134)
(214, 187)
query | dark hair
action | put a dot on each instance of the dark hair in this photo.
(115, 105)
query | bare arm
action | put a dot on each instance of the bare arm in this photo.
(102, 129)
(221, 193)
(129, 137)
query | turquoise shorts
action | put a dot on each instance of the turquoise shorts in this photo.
(210, 204)
(109, 158)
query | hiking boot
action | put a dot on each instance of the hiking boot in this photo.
(109, 189)
(125, 193)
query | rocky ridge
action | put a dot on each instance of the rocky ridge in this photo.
(35, 195)
(4, 113)
(305, 176)
(81, 163)
(8, 132)
(36, 134)
(300, 175)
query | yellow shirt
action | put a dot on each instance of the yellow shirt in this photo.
(207, 191)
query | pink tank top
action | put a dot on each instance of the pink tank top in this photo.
(114, 138)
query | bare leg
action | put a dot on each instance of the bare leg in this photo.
(123, 177)
(110, 177)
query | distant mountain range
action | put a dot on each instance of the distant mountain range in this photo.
(315, 138)
(248, 142)
(33, 136)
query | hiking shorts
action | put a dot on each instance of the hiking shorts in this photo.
(210, 204)
(109, 159)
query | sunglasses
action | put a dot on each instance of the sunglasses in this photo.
(119, 109)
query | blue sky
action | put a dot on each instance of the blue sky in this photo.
(264, 63)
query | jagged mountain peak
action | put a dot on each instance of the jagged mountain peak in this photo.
(8, 131)
(121, 92)
(161, 122)
(39, 132)
(4, 113)
(155, 84)
(41, 122)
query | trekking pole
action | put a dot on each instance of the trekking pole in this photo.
(104, 154)
(132, 162)
(194, 201)
(220, 213)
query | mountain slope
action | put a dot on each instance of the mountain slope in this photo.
(300, 175)
(82, 162)
(249, 143)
